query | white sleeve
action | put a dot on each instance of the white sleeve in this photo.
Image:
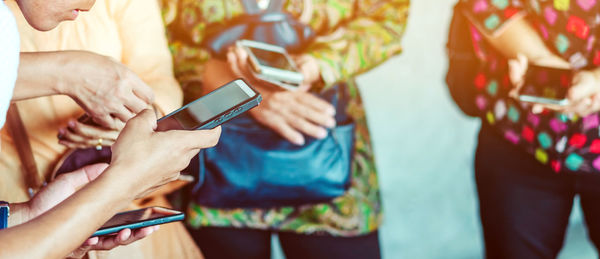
(9, 56)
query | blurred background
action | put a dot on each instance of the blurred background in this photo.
(424, 148)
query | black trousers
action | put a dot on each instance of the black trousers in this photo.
(224, 243)
(525, 206)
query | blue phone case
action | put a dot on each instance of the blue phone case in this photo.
(140, 224)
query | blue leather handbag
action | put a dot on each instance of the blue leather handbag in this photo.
(253, 167)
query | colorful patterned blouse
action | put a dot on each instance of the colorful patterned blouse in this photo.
(570, 30)
(354, 36)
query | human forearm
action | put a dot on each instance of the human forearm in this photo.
(65, 227)
(510, 33)
(39, 74)
(519, 37)
(19, 213)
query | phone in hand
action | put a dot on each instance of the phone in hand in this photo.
(140, 218)
(272, 63)
(546, 85)
(213, 109)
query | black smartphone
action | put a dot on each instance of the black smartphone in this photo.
(213, 109)
(140, 218)
(546, 85)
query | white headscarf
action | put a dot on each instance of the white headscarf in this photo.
(9, 58)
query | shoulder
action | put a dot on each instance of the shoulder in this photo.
(9, 43)
(9, 51)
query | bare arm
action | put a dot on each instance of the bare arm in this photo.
(65, 227)
(142, 161)
(106, 89)
(518, 37)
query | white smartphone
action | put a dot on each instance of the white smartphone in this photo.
(272, 64)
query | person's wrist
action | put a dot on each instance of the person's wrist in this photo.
(19, 213)
(69, 72)
(113, 177)
(550, 60)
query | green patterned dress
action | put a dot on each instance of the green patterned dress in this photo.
(353, 37)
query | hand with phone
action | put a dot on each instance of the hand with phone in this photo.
(152, 159)
(138, 219)
(241, 65)
(291, 114)
(582, 96)
(142, 161)
(60, 189)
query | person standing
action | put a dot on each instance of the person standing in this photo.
(532, 159)
(64, 218)
(352, 37)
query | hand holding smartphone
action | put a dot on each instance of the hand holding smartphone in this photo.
(140, 218)
(272, 64)
(546, 85)
(207, 112)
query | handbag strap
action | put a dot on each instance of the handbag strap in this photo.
(17, 130)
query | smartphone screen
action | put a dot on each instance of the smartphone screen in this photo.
(208, 107)
(547, 83)
(272, 59)
(129, 219)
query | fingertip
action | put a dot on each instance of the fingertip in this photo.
(231, 58)
(62, 132)
(217, 129)
(91, 241)
(331, 123)
(298, 140)
(243, 55)
(331, 111)
(522, 58)
(152, 97)
(322, 133)
(124, 235)
(150, 230)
